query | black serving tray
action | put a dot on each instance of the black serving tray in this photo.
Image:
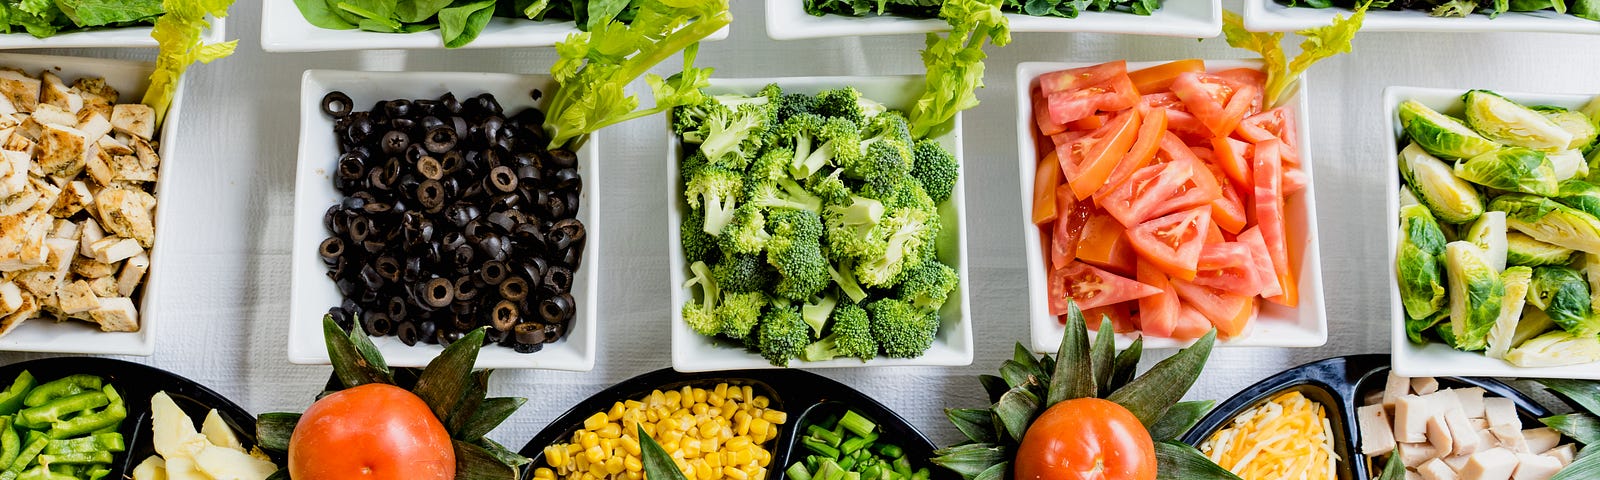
(806, 397)
(136, 383)
(1339, 384)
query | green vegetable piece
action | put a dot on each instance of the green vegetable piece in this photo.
(1417, 262)
(61, 408)
(110, 442)
(1442, 135)
(1577, 124)
(41, 472)
(10, 442)
(1517, 281)
(1175, 460)
(1580, 194)
(89, 422)
(63, 387)
(1513, 169)
(11, 400)
(1548, 221)
(1563, 294)
(29, 453)
(1476, 293)
(1522, 249)
(857, 424)
(79, 458)
(1436, 186)
(1488, 232)
(1415, 327)
(1555, 349)
(1500, 119)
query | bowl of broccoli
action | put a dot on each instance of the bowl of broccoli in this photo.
(813, 229)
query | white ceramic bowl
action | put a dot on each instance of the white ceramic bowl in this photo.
(1437, 359)
(692, 352)
(788, 20)
(130, 79)
(1276, 326)
(1270, 16)
(125, 37)
(283, 29)
(312, 293)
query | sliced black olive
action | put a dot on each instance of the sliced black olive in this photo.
(563, 158)
(440, 139)
(514, 289)
(377, 324)
(397, 108)
(504, 315)
(395, 142)
(557, 280)
(493, 272)
(503, 179)
(466, 288)
(557, 309)
(439, 292)
(530, 333)
(331, 250)
(397, 309)
(389, 268)
(425, 330)
(337, 104)
(407, 332)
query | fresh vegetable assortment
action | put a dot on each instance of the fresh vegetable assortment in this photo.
(1163, 195)
(851, 446)
(1457, 432)
(458, 21)
(930, 9)
(66, 426)
(1499, 245)
(812, 225)
(46, 18)
(1586, 9)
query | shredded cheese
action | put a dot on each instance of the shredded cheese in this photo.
(1286, 438)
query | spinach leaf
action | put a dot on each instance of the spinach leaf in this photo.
(321, 15)
(96, 13)
(601, 11)
(461, 24)
(416, 11)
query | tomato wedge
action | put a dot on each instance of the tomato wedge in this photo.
(1144, 148)
(1082, 77)
(1230, 313)
(1041, 116)
(1245, 76)
(1277, 123)
(1197, 189)
(1268, 200)
(1114, 93)
(1214, 235)
(1045, 180)
(1158, 314)
(1172, 243)
(1261, 261)
(1159, 78)
(1163, 187)
(1104, 245)
(1071, 216)
(1190, 324)
(1092, 122)
(1233, 157)
(1087, 161)
(1294, 181)
(1219, 103)
(1227, 210)
(1228, 267)
(1120, 314)
(1091, 287)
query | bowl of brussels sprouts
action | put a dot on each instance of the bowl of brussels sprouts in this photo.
(1495, 228)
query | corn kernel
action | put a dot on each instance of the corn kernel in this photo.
(671, 398)
(611, 430)
(734, 473)
(589, 440)
(594, 422)
(758, 428)
(632, 464)
(700, 409)
(749, 393)
(760, 402)
(632, 475)
(775, 416)
(615, 413)
(700, 395)
(594, 455)
(544, 473)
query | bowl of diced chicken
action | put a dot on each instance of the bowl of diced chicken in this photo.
(80, 164)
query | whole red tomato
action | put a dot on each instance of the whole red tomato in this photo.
(371, 432)
(1086, 439)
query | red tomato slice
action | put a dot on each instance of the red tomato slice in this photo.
(1082, 77)
(1233, 156)
(1261, 261)
(1071, 216)
(1086, 162)
(1172, 243)
(1167, 186)
(1158, 314)
(1144, 148)
(1190, 324)
(1159, 78)
(1067, 137)
(1091, 287)
(1220, 255)
(1277, 123)
(1227, 211)
(1121, 315)
(1230, 313)
(1228, 267)
(1041, 116)
(1219, 103)
(1268, 201)
(1294, 181)
(1091, 123)
(1198, 189)
(1187, 126)
(1245, 76)
(1116, 93)
(1166, 100)
(1104, 245)
(1045, 180)
(1214, 235)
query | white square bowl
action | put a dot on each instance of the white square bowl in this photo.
(284, 29)
(130, 79)
(312, 293)
(1276, 326)
(1269, 16)
(124, 37)
(693, 352)
(1437, 359)
(788, 20)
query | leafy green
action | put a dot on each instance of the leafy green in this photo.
(459, 21)
(930, 8)
(178, 33)
(1320, 43)
(955, 64)
(43, 18)
(595, 66)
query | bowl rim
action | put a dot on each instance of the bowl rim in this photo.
(781, 24)
(583, 337)
(1046, 330)
(686, 359)
(1406, 356)
(1268, 16)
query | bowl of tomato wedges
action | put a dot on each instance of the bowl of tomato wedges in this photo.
(1171, 199)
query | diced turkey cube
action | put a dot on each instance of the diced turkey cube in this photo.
(133, 272)
(91, 233)
(104, 287)
(126, 213)
(1565, 453)
(1536, 467)
(115, 249)
(1457, 462)
(1491, 464)
(116, 314)
(1424, 385)
(1411, 414)
(134, 119)
(66, 229)
(111, 146)
(62, 151)
(1466, 437)
(56, 93)
(1511, 438)
(74, 198)
(48, 115)
(1501, 412)
(21, 89)
(10, 298)
(76, 297)
(1396, 387)
(1541, 439)
(1416, 454)
(30, 308)
(91, 268)
(95, 91)
(1436, 469)
(146, 153)
(1439, 435)
(1377, 436)
(1471, 401)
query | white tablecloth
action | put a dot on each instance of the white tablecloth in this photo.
(227, 295)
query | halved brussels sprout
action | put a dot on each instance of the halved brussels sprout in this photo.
(1513, 169)
(1577, 124)
(1592, 110)
(1417, 262)
(1407, 198)
(1450, 198)
(1488, 232)
(1569, 164)
(1416, 327)
(1476, 294)
(1563, 294)
(1549, 222)
(1556, 349)
(1507, 122)
(1581, 195)
(1534, 323)
(1516, 280)
(1522, 249)
(1441, 134)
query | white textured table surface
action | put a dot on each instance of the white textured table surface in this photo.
(226, 299)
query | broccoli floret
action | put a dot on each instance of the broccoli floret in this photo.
(906, 232)
(739, 313)
(840, 145)
(746, 233)
(770, 166)
(783, 335)
(790, 225)
(687, 120)
(886, 153)
(847, 103)
(715, 191)
(783, 193)
(850, 336)
(851, 229)
(830, 188)
(902, 330)
(928, 286)
(742, 273)
(936, 168)
(701, 314)
(845, 277)
(817, 311)
(732, 136)
(697, 244)
(793, 104)
(795, 250)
